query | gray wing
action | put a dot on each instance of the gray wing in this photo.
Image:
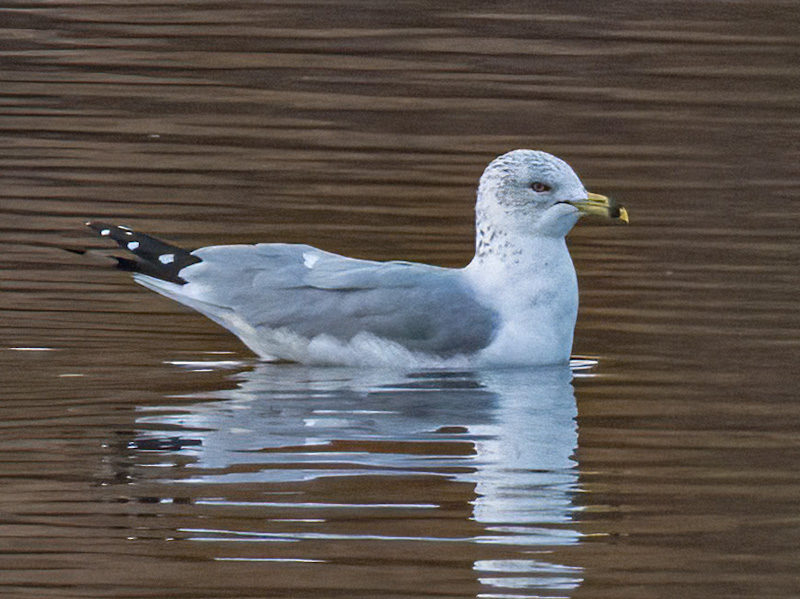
(310, 292)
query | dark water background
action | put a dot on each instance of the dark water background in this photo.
(144, 453)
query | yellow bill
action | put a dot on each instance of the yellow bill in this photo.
(601, 206)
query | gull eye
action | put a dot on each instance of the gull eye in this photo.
(539, 187)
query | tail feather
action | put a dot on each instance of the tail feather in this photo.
(152, 256)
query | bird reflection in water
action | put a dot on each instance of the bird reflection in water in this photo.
(508, 436)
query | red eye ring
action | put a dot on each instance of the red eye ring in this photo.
(539, 187)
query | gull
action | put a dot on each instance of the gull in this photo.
(514, 304)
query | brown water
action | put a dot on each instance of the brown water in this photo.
(144, 453)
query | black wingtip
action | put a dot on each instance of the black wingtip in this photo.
(152, 256)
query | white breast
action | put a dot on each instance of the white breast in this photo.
(535, 293)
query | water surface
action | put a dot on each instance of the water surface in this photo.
(144, 453)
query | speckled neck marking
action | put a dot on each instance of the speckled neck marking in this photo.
(495, 243)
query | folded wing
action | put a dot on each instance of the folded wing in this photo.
(308, 292)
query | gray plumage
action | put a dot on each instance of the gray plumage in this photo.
(310, 292)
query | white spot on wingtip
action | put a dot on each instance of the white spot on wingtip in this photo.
(133, 245)
(309, 259)
(166, 258)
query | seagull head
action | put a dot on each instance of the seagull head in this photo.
(536, 193)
